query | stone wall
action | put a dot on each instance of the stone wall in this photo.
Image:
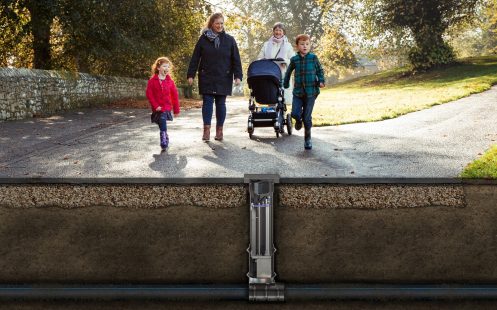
(29, 92)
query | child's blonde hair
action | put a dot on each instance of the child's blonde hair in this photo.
(159, 62)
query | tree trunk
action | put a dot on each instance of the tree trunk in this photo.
(426, 35)
(431, 50)
(82, 64)
(41, 20)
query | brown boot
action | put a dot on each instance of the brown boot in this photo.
(219, 133)
(207, 133)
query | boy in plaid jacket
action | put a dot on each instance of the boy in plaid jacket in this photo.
(309, 77)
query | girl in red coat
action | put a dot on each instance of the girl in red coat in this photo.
(163, 96)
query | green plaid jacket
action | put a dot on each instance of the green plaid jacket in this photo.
(308, 75)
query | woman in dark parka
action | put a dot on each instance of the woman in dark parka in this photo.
(217, 60)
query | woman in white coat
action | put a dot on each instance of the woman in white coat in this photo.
(278, 47)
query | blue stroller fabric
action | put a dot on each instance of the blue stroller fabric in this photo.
(264, 68)
(267, 102)
(264, 79)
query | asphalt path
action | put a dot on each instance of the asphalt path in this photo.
(92, 143)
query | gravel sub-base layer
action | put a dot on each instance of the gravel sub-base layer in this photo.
(318, 196)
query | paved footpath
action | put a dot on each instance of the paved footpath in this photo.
(90, 143)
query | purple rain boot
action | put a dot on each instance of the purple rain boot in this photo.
(164, 140)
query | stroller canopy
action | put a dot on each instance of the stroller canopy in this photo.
(264, 69)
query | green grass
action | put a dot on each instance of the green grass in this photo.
(396, 92)
(484, 167)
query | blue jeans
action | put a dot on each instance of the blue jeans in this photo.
(163, 121)
(302, 109)
(207, 107)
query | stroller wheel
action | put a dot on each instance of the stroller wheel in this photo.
(250, 130)
(281, 122)
(250, 127)
(289, 127)
(277, 134)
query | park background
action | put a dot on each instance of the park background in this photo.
(412, 54)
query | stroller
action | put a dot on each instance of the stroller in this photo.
(267, 103)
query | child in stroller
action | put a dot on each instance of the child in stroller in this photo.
(267, 103)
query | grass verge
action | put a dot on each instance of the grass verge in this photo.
(396, 92)
(484, 167)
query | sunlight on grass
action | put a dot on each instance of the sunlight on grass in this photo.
(393, 93)
(484, 167)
